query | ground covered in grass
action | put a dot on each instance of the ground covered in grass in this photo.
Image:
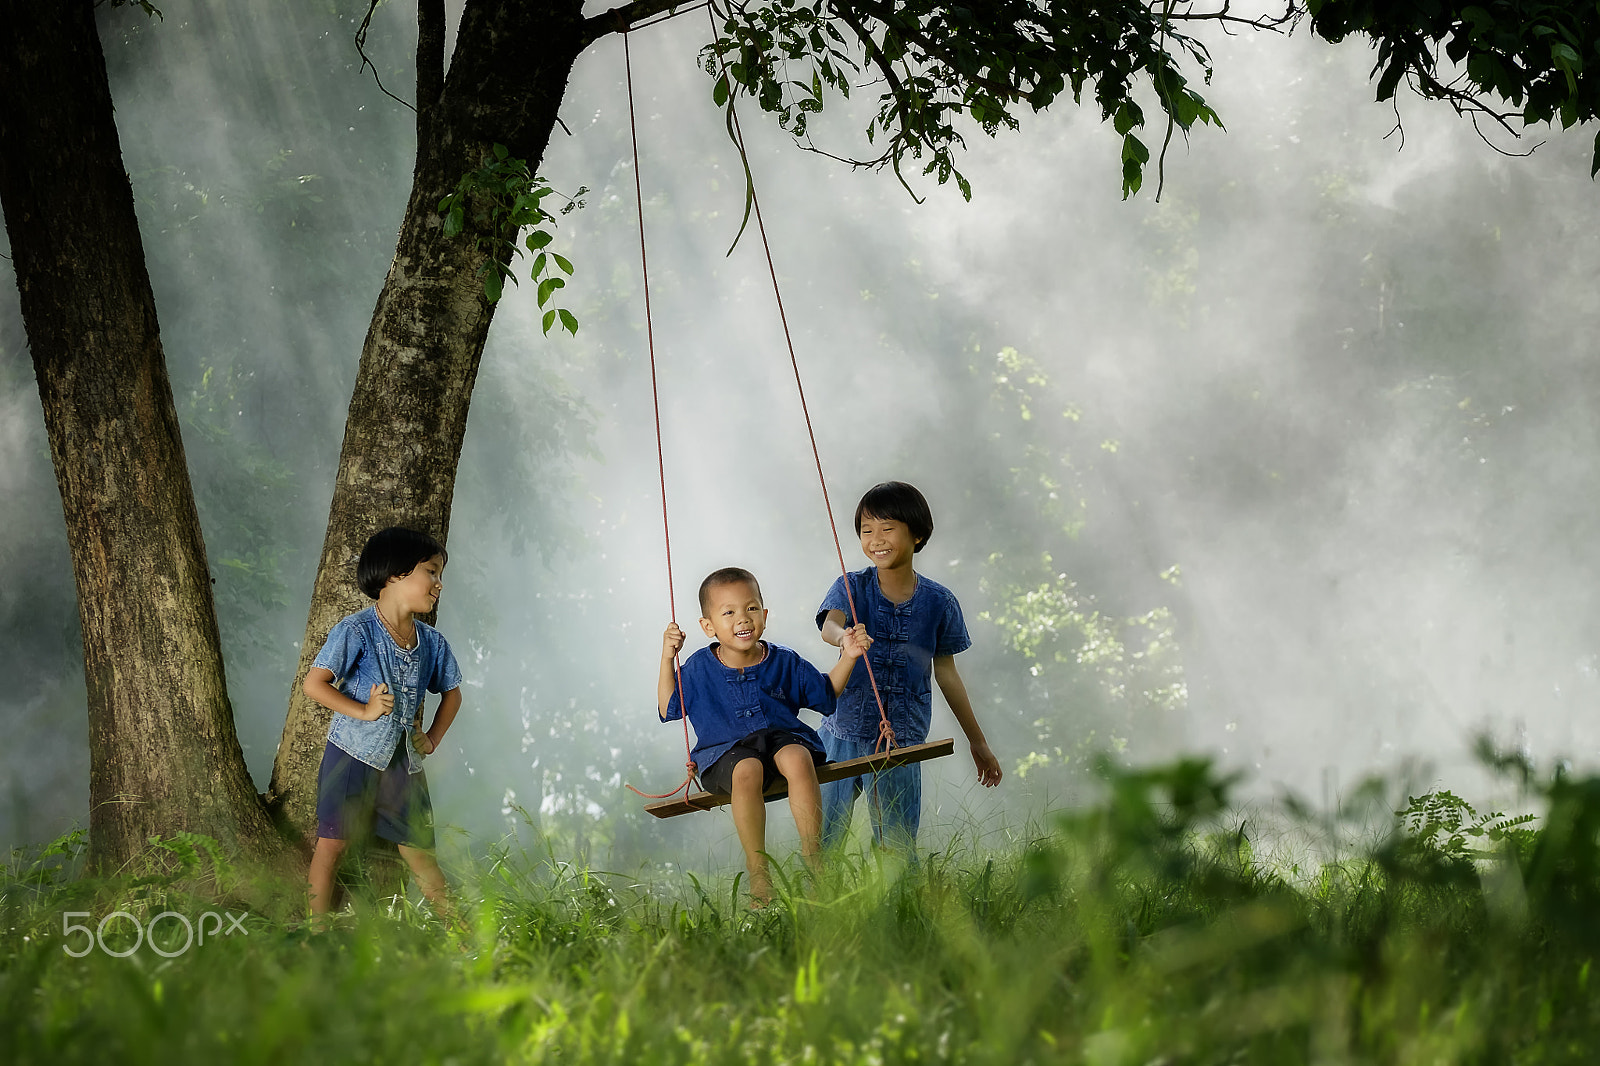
(1147, 930)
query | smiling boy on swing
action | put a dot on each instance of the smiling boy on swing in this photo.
(742, 694)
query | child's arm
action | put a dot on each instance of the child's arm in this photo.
(853, 644)
(449, 705)
(318, 686)
(833, 628)
(955, 694)
(667, 683)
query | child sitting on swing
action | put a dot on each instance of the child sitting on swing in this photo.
(742, 694)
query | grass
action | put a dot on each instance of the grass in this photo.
(1143, 931)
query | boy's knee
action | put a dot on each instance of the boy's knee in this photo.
(748, 773)
(331, 847)
(422, 864)
(794, 760)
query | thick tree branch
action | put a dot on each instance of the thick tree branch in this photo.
(879, 60)
(923, 41)
(1276, 23)
(1464, 102)
(430, 63)
(902, 101)
(618, 19)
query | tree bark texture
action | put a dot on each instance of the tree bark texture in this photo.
(408, 413)
(164, 756)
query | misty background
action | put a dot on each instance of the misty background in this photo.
(1293, 467)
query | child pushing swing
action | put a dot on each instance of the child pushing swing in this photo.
(921, 630)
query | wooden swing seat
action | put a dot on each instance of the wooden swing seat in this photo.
(833, 771)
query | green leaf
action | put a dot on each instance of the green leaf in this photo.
(1391, 79)
(548, 286)
(893, 46)
(1184, 109)
(538, 266)
(1481, 20)
(538, 239)
(1569, 63)
(563, 262)
(1564, 51)
(1484, 69)
(501, 151)
(549, 320)
(1128, 117)
(719, 91)
(493, 285)
(569, 320)
(1134, 156)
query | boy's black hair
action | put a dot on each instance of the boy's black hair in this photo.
(728, 575)
(393, 552)
(895, 501)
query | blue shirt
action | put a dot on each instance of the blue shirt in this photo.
(360, 653)
(905, 639)
(727, 704)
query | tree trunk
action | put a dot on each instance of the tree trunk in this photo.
(163, 753)
(408, 413)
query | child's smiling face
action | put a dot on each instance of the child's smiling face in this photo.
(737, 618)
(418, 591)
(887, 543)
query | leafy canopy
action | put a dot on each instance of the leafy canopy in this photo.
(1539, 58)
(941, 63)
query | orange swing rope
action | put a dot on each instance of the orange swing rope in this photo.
(886, 737)
(661, 462)
(885, 731)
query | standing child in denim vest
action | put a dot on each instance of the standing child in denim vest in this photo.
(373, 673)
(917, 630)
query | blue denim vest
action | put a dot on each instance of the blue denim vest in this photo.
(360, 653)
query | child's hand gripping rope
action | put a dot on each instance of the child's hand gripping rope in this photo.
(855, 642)
(671, 642)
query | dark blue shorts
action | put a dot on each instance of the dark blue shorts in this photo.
(354, 800)
(763, 744)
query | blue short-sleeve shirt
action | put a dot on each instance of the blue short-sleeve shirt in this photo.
(360, 653)
(727, 704)
(905, 639)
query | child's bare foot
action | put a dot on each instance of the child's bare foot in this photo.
(760, 889)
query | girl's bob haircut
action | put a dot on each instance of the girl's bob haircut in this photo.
(393, 552)
(895, 501)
